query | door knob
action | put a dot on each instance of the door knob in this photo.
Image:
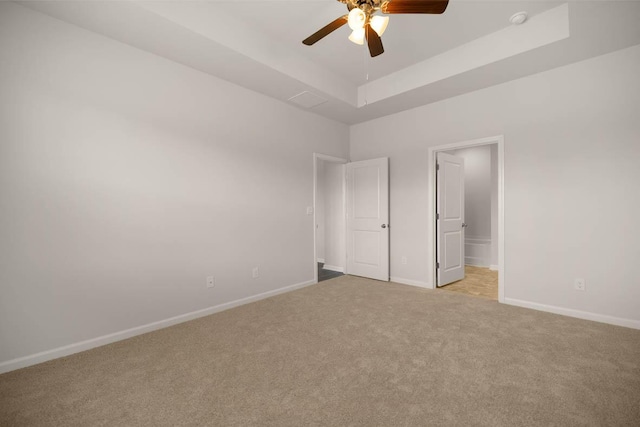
(384, 226)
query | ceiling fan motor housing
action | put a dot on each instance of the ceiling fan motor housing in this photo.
(367, 6)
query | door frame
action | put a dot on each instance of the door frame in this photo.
(324, 157)
(431, 211)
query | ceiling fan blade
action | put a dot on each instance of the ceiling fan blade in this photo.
(414, 6)
(373, 41)
(325, 31)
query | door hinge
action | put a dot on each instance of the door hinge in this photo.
(437, 265)
(437, 216)
(437, 166)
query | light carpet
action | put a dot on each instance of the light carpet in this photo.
(346, 352)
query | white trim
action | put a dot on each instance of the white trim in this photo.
(493, 267)
(618, 321)
(475, 262)
(482, 243)
(431, 194)
(333, 268)
(410, 282)
(501, 235)
(321, 260)
(316, 157)
(33, 359)
(344, 215)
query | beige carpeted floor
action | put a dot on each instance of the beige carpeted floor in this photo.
(346, 352)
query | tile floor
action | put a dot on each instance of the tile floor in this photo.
(324, 274)
(478, 281)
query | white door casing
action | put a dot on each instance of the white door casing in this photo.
(368, 218)
(450, 218)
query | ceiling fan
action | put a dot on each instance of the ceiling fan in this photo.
(366, 24)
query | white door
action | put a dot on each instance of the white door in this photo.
(368, 218)
(450, 218)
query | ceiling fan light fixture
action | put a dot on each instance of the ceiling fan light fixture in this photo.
(357, 36)
(379, 23)
(356, 19)
(366, 25)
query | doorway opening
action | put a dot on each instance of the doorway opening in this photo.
(350, 217)
(329, 217)
(466, 217)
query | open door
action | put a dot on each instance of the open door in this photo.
(450, 218)
(368, 218)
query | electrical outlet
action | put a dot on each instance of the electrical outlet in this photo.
(404, 260)
(255, 272)
(210, 283)
(579, 285)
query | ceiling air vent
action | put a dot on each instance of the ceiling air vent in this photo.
(307, 99)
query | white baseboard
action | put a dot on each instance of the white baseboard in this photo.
(321, 260)
(494, 267)
(618, 321)
(410, 282)
(333, 268)
(33, 359)
(476, 262)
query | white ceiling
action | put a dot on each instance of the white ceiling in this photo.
(409, 38)
(257, 44)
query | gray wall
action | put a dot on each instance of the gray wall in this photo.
(572, 151)
(334, 215)
(126, 179)
(477, 190)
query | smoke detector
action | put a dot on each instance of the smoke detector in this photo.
(518, 18)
